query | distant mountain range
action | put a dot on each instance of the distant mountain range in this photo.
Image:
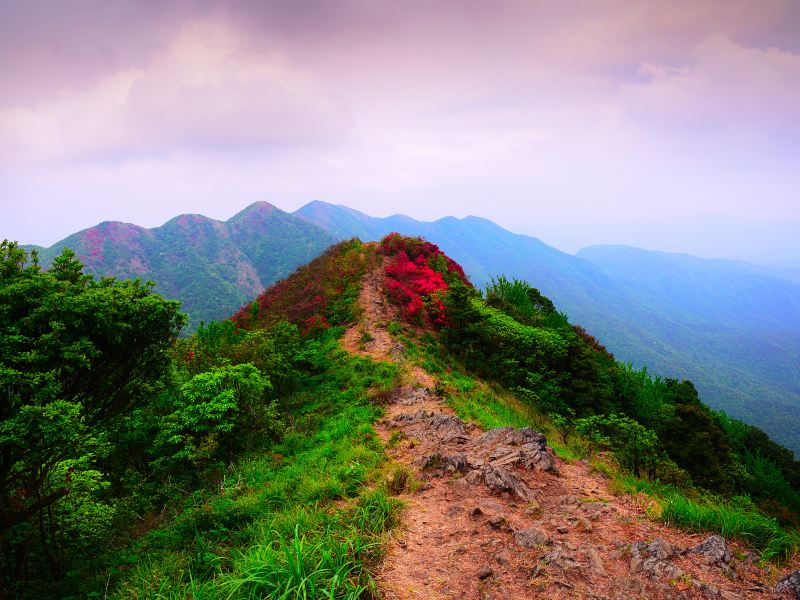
(213, 267)
(731, 327)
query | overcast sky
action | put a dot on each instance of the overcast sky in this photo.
(668, 125)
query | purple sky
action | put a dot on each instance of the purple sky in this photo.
(671, 126)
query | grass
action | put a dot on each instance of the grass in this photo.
(744, 522)
(737, 518)
(306, 518)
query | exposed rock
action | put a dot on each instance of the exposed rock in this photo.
(448, 427)
(562, 529)
(454, 510)
(653, 560)
(476, 512)
(595, 562)
(484, 572)
(499, 523)
(474, 477)
(500, 480)
(716, 551)
(531, 537)
(715, 548)
(456, 462)
(506, 446)
(560, 558)
(791, 584)
(443, 428)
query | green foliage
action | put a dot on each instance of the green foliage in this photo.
(738, 518)
(636, 447)
(213, 412)
(78, 355)
(317, 295)
(656, 427)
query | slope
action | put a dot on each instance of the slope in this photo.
(211, 266)
(737, 364)
(495, 513)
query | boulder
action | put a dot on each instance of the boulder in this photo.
(790, 584)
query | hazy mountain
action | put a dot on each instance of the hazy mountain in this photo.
(211, 266)
(731, 327)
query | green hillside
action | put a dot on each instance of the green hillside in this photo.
(731, 327)
(243, 461)
(211, 266)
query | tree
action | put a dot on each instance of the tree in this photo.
(76, 354)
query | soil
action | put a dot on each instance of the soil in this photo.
(567, 536)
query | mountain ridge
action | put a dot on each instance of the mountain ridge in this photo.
(212, 266)
(736, 366)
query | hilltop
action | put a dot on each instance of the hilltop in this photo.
(210, 266)
(370, 426)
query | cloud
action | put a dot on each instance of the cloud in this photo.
(724, 87)
(211, 88)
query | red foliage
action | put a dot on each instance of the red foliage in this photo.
(416, 276)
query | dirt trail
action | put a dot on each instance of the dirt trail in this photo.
(498, 516)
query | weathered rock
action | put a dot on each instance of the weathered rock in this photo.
(448, 427)
(715, 549)
(791, 584)
(531, 537)
(500, 480)
(595, 562)
(456, 462)
(484, 572)
(507, 446)
(653, 560)
(499, 523)
(474, 477)
(560, 558)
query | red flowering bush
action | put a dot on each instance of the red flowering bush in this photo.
(417, 276)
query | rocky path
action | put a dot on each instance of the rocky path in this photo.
(499, 516)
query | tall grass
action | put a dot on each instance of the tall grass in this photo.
(300, 519)
(737, 518)
(744, 522)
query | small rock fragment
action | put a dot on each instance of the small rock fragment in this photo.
(531, 537)
(499, 523)
(485, 572)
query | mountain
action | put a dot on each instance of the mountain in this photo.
(731, 327)
(211, 266)
(371, 400)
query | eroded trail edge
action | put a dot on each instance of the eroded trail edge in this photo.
(499, 516)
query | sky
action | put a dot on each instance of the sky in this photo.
(668, 125)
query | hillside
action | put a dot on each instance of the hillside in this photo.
(369, 426)
(731, 327)
(211, 266)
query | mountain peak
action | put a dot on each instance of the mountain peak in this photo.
(256, 209)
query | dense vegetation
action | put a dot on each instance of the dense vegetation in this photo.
(241, 461)
(136, 464)
(657, 428)
(212, 267)
(732, 328)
